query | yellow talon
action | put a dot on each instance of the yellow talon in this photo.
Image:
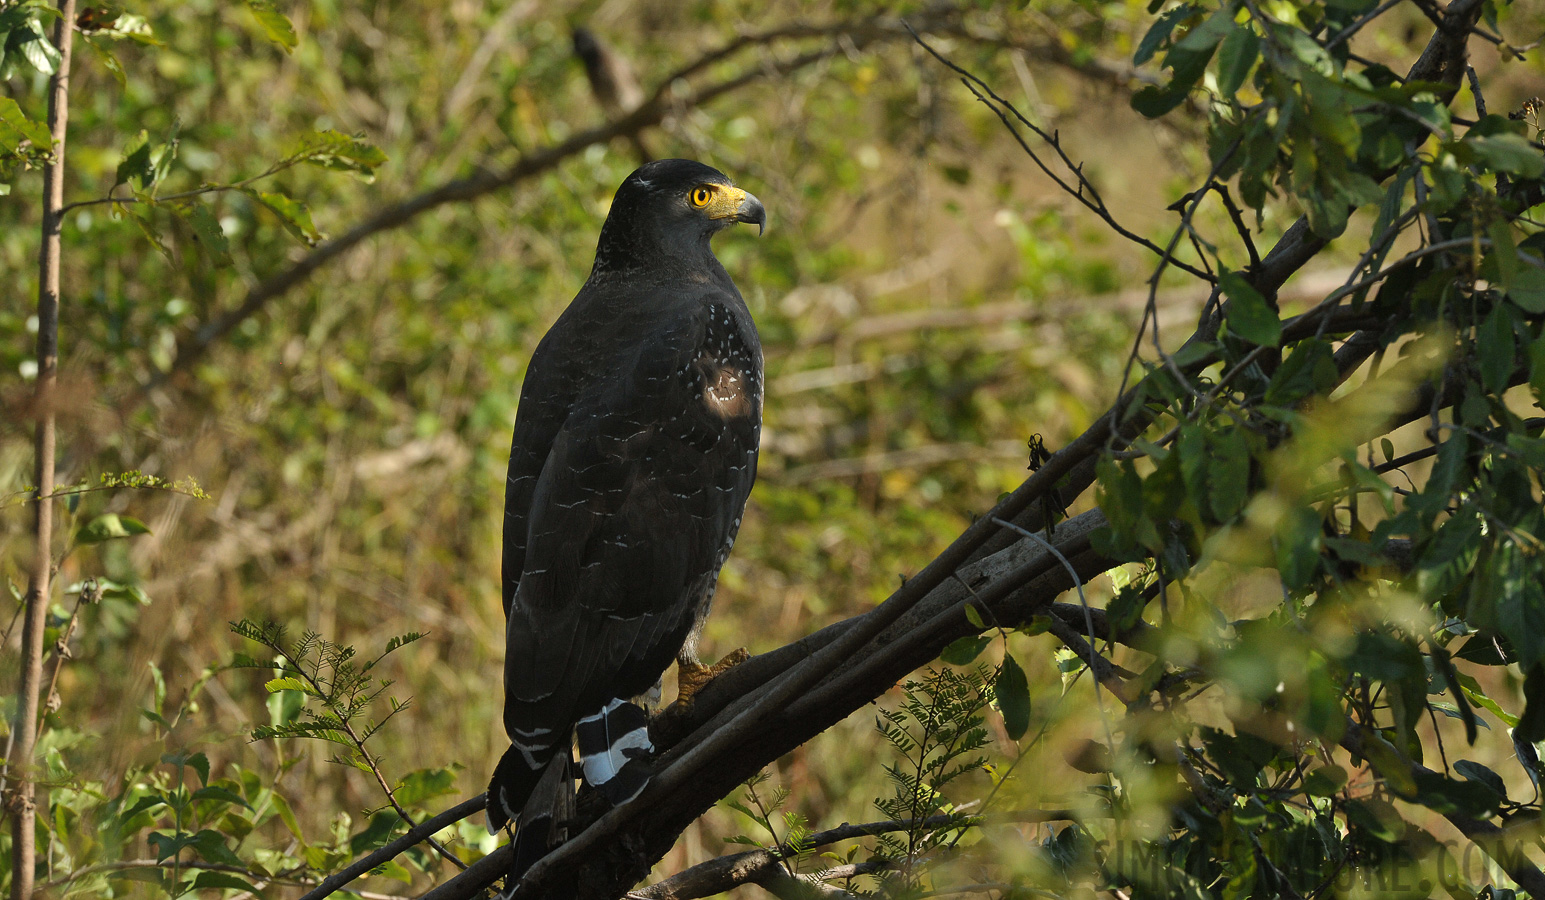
(692, 676)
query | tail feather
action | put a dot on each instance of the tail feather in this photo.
(544, 818)
(533, 786)
(613, 749)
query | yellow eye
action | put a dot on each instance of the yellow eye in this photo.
(701, 196)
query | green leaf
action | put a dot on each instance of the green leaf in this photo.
(200, 764)
(1378, 818)
(1228, 480)
(287, 816)
(1235, 58)
(376, 834)
(1207, 35)
(394, 870)
(293, 215)
(1477, 772)
(1012, 690)
(974, 617)
(223, 881)
(274, 23)
(1510, 153)
(1494, 348)
(1504, 251)
(1309, 368)
(276, 685)
(108, 527)
(962, 651)
(425, 784)
(1249, 316)
(14, 125)
(211, 846)
(342, 152)
(1158, 32)
(219, 793)
(210, 236)
(136, 165)
(37, 49)
(1325, 781)
(108, 59)
(168, 844)
(140, 216)
(1387, 761)
(1528, 289)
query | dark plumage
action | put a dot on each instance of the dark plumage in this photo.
(634, 450)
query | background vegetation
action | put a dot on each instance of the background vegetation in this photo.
(930, 303)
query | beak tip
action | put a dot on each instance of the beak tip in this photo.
(753, 213)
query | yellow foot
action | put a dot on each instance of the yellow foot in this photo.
(692, 677)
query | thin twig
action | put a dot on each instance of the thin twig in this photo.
(19, 799)
(1085, 192)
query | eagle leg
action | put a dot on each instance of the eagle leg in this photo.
(692, 676)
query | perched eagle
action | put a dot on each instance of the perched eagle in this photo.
(635, 447)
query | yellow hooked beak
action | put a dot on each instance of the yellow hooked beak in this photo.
(737, 205)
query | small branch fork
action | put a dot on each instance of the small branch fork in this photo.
(370, 761)
(1081, 189)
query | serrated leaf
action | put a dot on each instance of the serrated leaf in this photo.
(207, 228)
(274, 23)
(293, 215)
(1012, 691)
(334, 150)
(108, 527)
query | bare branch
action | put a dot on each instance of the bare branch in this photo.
(19, 778)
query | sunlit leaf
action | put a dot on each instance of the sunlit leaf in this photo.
(274, 23)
